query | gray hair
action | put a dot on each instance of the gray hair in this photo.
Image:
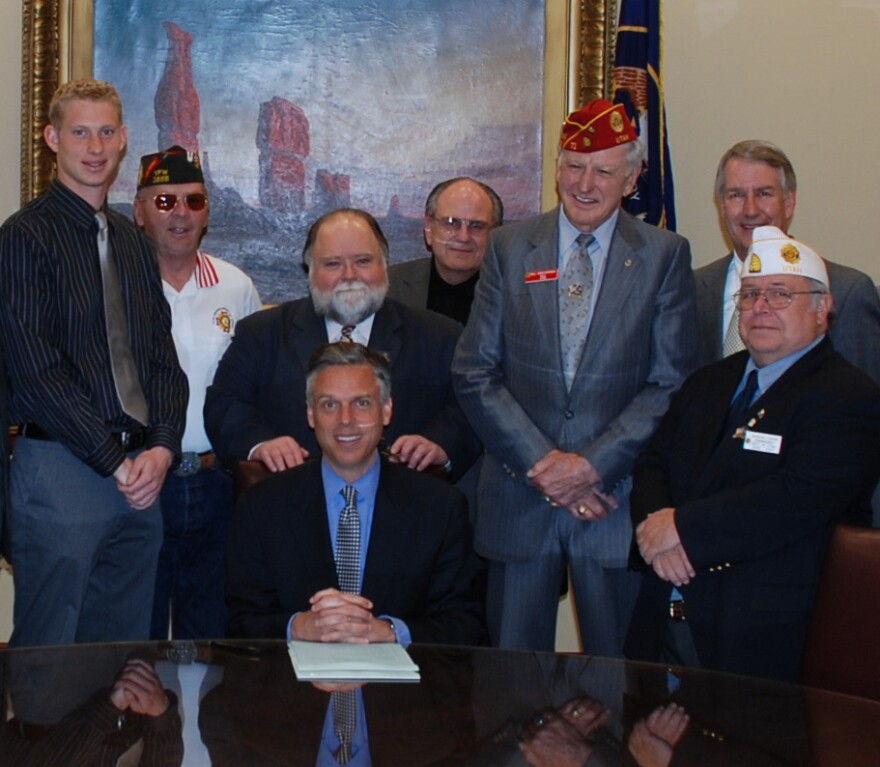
(350, 354)
(757, 150)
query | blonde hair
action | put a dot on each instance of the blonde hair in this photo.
(82, 90)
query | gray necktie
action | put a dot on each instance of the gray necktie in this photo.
(732, 342)
(575, 294)
(348, 571)
(125, 375)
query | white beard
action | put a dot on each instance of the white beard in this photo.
(349, 302)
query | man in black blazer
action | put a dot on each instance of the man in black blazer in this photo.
(734, 498)
(460, 213)
(255, 408)
(756, 186)
(416, 561)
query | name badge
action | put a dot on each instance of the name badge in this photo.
(762, 443)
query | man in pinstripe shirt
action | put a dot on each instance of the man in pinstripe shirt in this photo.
(84, 525)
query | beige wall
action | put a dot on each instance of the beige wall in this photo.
(801, 73)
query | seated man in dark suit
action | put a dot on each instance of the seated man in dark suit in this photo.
(255, 407)
(352, 548)
(758, 457)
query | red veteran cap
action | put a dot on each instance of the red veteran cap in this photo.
(596, 126)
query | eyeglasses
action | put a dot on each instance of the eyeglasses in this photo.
(776, 298)
(451, 225)
(168, 202)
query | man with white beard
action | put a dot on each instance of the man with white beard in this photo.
(255, 409)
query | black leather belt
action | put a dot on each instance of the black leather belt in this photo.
(131, 439)
(676, 610)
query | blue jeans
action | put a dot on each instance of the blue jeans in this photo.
(84, 561)
(191, 578)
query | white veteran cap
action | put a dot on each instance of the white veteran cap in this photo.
(774, 252)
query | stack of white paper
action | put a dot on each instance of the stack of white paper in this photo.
(351, 662)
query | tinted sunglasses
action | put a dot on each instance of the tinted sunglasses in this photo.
(168, 202)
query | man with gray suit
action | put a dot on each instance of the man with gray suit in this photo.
(582, 327)
(756, 185)
(460, 213)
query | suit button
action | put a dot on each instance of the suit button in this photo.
(569, 414)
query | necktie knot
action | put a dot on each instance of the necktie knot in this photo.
(347, 330)
(584, 242)
(101, 218)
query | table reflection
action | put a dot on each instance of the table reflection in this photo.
(240, 704)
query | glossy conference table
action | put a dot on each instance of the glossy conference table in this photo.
(242, 705)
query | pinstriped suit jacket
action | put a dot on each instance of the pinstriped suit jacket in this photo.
(509, 379)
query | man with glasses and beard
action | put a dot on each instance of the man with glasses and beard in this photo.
(254, 409)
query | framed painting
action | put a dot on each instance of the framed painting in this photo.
(301, 106)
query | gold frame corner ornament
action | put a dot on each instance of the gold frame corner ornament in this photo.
(57, 46)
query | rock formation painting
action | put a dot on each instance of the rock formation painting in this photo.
(299, 107)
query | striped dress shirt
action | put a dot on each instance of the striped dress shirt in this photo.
(53, 331)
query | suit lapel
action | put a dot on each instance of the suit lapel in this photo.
(389, 536)
(306, 332)
(309, 525)
(622, 267)
(770, 402)
(544, 296)
(385, 335)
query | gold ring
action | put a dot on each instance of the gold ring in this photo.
(576, 713)
(583, 509)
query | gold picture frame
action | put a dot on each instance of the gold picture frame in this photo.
(57, 47)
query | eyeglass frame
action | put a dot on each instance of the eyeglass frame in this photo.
(452, 225)
(184, 198)
(763, 292)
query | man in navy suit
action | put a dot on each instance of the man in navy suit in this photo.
(255, 408)
(563, 418)
(756, 186)
(759, 456)
(414, 540)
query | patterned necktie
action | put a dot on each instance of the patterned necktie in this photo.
(348, 571)
(125, 376)
(732, 341)
(347, 330)
(344, 722)
(575, 294)
(348, 544)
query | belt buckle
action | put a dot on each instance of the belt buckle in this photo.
(676, 610)
(190, 463)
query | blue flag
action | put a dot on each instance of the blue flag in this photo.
(638, 86)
